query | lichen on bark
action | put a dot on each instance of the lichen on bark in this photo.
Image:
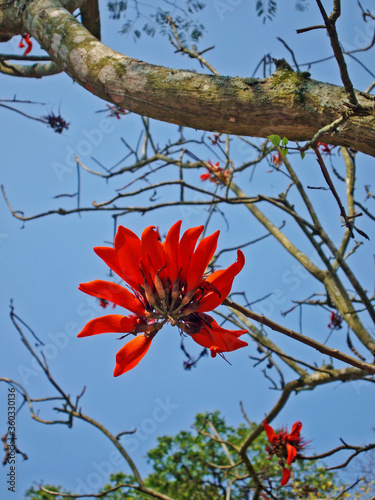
(287, 103)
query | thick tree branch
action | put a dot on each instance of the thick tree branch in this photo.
(287, 103)
(90, 17)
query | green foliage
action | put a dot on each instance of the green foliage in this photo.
(302, 5)
(266, 9)
(36, 494)
(188, 28)
(133, 11)
(157, 17)
(185, 467)
(275, 139)
(193, 466)
(117, 8)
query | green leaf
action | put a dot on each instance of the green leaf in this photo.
(302, 153)
(275, 139)
(285, 141)
(284, 151)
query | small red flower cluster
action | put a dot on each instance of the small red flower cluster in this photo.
(325, 148)
(29, 44)
(277, 159)
(216, 174)
(169, 285)
(336, 321)
(215, 139)
(56, 122)
(285, 446)
(116, 111)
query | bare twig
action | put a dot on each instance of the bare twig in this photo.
(348, 220)
(193, 53)
(334, 353)
(330, 23)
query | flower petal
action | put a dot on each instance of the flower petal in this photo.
(128, 251)
(200, 260)
(218, 338)
(292, 453)
(112, 323)
(171, 251)
(222, 280)
(271, 434)
(153, 255)
(109, 256)
(186, 249)
(131, 354)
(114, 293)
(286, 476)
(295, 433)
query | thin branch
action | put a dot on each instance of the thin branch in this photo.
(330, 23)
(143, 489)
(334, 353)
(288, 389)
(357, 450)
(291, 52)
(24, 114)
(71, 410)
(223, 445)
(349, 224)
(310, 28)
(193, 53)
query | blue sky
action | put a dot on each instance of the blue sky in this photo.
(44, 262)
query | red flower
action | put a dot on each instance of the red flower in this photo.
(216, 174)
(277, 159)
(285, 446)
(325, 148)
(29, 44)
(336, 321)
(117, 111)
(168, 285)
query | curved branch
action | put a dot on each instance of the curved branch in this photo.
(287, 103)
(313, 380)
(334, 353)
(71, 410)
(143, 489)
(288, 389)
(37, 70)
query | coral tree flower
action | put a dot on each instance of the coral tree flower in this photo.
(168, 285)
(29, 44)
(216, 174)
(325, 148)
(335, 321)
(285, 446)
(277, 159)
